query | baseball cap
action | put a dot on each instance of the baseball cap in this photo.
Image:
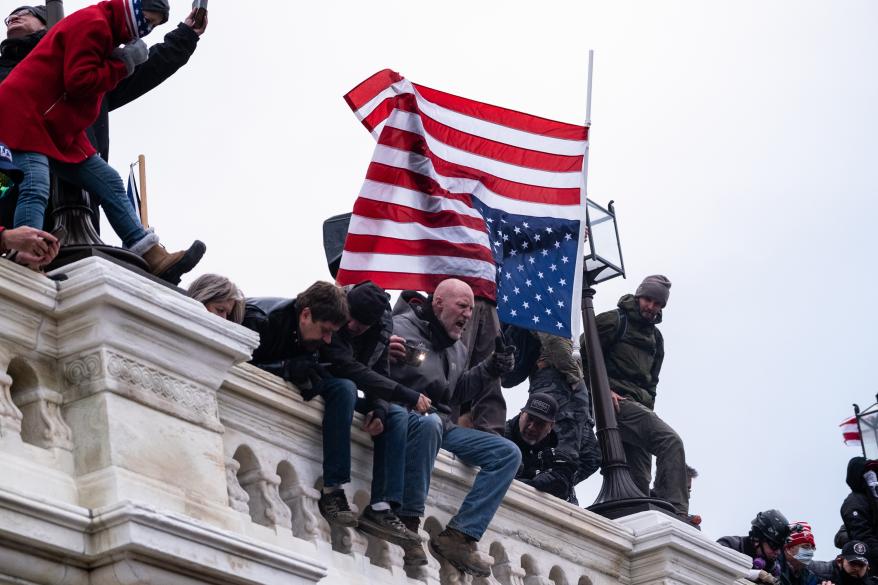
(855, 552)
(541, 406)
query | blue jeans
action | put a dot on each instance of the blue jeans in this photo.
(339, 396)
(93, 174)
(388, 457)
(497, 458)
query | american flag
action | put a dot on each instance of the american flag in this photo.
(460, 188)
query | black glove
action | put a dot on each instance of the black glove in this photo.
(298, 369)
(554, 482)
(502, 361)
(132, 54)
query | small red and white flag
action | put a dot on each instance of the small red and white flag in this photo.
(851, 432)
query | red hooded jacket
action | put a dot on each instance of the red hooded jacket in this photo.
(54, 95)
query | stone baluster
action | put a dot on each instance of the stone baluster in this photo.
(10, 416)
(302, 502)
(266, 506)
(238, 497)
(42, 423)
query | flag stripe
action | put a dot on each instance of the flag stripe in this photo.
(389, 245)
(402, 281)
(399, 213)
(408, 179)
(368, 89)
(482, 146)
(373, 113)
(415, 231)
(408, 141)
(432, 264)
(423, 166)
(415, 199)
(503, 116)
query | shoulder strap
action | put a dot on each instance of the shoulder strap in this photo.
(621, 326)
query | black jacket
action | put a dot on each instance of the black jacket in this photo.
(277, 323)
(541, 465)
(830, 571)
(364, 360)
(165, 59)
(859, 511)
(12, 51)
(744, 544)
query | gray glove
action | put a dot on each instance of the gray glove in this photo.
(132, 54)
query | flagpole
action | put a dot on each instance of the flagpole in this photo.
(576, 324)
(144, 207)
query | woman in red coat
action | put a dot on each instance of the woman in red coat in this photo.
(54, 95)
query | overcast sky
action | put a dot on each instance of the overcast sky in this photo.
(737, 139)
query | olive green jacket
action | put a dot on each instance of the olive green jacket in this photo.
(633, 356)
(558, 353)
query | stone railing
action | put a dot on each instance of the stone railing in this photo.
(136, 447)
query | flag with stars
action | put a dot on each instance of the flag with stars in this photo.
(460, 188)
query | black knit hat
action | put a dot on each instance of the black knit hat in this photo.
(367, 302)
(38, 11)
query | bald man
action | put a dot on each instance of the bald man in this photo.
(427, 355)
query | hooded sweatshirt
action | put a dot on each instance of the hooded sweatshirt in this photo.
(858, 511)
(52, 97)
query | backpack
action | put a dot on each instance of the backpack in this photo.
(527, 352)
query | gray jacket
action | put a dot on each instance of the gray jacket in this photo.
(442, 376)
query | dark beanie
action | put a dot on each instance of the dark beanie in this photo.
(657, 287)
(38, 11)
(160, 6)
(367, 302)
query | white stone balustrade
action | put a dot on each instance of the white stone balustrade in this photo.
(137, 447)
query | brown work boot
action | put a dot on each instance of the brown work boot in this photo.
(415, 555)
(171, 266)
(461, 551)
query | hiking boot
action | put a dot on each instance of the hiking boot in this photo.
(385, 525)
(461, 551)
(334, 507)
(171, 266)
(415, 555)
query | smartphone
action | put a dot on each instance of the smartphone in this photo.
(200, 7)
(61, 234)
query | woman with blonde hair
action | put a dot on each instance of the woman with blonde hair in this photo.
(219, 295)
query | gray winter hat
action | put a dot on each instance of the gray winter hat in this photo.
(38, 11)
(657, 287)
(161, 6)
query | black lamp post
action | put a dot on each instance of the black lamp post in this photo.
(619, 496)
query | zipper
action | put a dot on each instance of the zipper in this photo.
(63, 96)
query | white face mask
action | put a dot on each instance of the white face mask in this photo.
(804, 555)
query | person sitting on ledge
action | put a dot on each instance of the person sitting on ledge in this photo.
(291, 333)
(31, 246)
(359, 352)
(219, 295)
(52, 97)
(543, 466)
(432, 328)
(768, 533)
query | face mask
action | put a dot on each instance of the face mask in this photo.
(804, 555)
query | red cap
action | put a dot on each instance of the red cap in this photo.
(800, 533)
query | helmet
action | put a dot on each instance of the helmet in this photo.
(770, 526)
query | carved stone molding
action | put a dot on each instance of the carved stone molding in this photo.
(238, 497)
(142, 382)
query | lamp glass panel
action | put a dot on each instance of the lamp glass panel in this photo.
(603, 234)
